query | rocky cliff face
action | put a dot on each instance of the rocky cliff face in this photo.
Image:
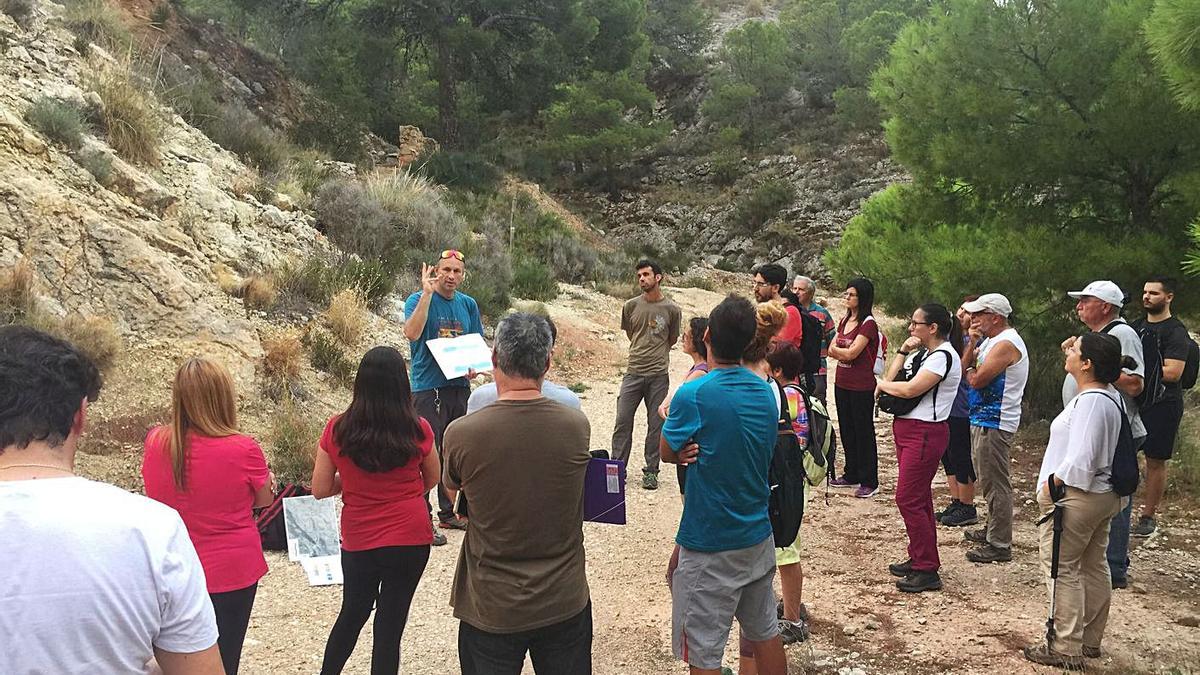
(141, 248)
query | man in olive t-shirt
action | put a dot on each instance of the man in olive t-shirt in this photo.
(651, 322)
(520, 585)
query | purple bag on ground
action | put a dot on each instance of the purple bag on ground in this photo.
(604, 491)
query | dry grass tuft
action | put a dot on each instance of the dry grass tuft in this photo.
(129, 116)
(258, 292)
(280, 367)
(95, 336)
(18, 299)
(292, 443)
(346, 316)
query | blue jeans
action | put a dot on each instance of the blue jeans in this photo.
(1118, 541)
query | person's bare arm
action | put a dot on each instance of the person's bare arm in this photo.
(325, 481)
(921, 383)
(206, 662)
(1172, 370)
(415, 324)
(1130, 385)
(431, 470)
(998, 358)
(265, 494)
(685, 456)
(848, 354)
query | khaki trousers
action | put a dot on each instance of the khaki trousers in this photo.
(1084, 588)
(990, 454)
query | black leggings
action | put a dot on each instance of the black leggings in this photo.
(856, 422)
(233, 616)
(386, 579)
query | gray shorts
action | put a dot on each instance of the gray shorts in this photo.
(710, 589)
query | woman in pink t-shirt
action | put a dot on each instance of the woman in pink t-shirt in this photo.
(378, 455)
(213, 476)
(855, 348)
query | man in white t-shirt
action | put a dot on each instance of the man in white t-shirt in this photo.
(1099, 308)
(96, 580)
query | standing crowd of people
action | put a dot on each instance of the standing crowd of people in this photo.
(107, 581)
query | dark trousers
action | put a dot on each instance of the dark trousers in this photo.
(384, 579)
(564, 648)
(856, 424)
(636, 389)
(233, 617)
(440, 407)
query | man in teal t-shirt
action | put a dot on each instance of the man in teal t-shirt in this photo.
(723, 427)
(440, 310)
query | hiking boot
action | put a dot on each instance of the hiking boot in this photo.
(455, 523)
(1091, 652)
(866, 492)
(439, 539)
(950, 508)
(1048, 657)
(1145, 527)
(901, 569)
(989, 554)
(842, 483)
(793, 631)
(1120, 582)
(975, 536)
(965, 514)
(918, 581)
(649, 480)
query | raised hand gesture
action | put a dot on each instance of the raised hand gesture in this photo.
(429, 278)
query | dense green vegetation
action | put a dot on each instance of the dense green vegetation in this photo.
(1027, 129)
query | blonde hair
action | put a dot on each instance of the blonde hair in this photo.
(769, 318)
(202, 401)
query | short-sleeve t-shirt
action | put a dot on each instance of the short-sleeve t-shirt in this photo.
(859, 374)
(220, 479)
(522, 465)
(1174, 342)
(446, 319)
(94, 579)
(1083, 440)
(652, 329)
(1131, 346)
(386, 508)
(732, 415)
(941, 361)
(793, 328)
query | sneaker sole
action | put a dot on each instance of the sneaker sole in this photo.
(969, 521)
(922, 589)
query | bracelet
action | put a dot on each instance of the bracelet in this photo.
(902, 353)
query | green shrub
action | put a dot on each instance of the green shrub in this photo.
(489, 271)
(533, 280)
(241, 132)
(570, 258)
(461, 170)
(133, 125)
(329, 130)
(317, 280)
(97, 163)
(855, 109)
(190, 93)
(292, 443)
(58, 120)
(326, 355)
(726, 167)
(752, 211)
(97, 21)
(21, 11)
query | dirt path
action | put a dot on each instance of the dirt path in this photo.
(861, 623)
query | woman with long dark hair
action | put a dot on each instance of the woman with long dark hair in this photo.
(855, 348)
(1075, 476)
(933, 368)
(204, 468)
(378, 455)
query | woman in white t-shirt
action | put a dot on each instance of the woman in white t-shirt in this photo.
(1075, 474)
(931, 360)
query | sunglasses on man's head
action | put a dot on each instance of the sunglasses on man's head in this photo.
(452, 253)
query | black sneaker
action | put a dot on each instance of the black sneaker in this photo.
(439, 539)
(1145, 527)
(989, 554)
(1047, 657)
(951, 508)
(975, 536)
(965, 514)
(793, 631)
(1120, 582)
(901, 569)
(455, 523)
(918, 582)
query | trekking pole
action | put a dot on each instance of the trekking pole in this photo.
(1055, 545)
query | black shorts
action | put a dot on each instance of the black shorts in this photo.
(957, 458)
(1162, 425)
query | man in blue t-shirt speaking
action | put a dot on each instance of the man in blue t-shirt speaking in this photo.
(439, 310)
(723, 427)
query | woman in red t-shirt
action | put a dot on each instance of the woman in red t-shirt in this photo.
(213, 476)
(378, 455)
(855, 348)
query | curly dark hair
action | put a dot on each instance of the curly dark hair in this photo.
(42, 381)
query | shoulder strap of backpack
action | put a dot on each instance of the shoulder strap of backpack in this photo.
(785, 415)
(1111, 324)
(949, 365)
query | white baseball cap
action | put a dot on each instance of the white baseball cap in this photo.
(990, 302)
(1104, 290)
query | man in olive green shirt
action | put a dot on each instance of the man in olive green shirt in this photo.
(651, 322)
